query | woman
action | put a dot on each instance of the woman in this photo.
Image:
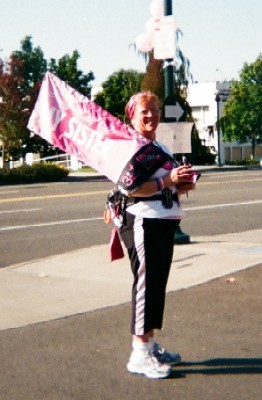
(148, 234)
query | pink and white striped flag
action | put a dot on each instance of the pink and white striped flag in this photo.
(80, 127)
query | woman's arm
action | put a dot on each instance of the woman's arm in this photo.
(174, 177)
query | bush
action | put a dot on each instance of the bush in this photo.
(42, 172)
(243, 162)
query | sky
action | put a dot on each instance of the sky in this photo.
(219, 36)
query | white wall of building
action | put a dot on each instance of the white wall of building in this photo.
(202, 99)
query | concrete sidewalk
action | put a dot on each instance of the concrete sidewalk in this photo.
(79, 348)
(86, 280)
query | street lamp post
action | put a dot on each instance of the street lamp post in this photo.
(169, 69)
(180, 236)
(218, 98)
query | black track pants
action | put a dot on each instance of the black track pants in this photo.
(150, 247)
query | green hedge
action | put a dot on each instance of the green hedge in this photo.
(243, 162)
(43, 172)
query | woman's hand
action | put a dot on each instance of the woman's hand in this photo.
(179, 175)
(182, 177)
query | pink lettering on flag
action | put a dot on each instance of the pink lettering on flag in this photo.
(78, 126)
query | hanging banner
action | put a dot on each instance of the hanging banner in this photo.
(78, 126)
(164, 38)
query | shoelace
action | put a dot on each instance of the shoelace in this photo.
(153, 360)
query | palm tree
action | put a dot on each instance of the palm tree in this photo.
(154, 78)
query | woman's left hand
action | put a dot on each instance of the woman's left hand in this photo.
(179, 175)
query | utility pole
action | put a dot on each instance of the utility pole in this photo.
(218, 98)
(180, 237)
(169, 76)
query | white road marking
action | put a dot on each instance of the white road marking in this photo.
(202, 182)
(74, 221)
(19, 211)
(244, 203)
(4, 192)
(54, 223)
(53, 196)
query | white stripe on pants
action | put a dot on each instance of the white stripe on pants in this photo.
(150, 247)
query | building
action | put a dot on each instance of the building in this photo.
(206, 108)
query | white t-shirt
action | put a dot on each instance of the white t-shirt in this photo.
(155, 208)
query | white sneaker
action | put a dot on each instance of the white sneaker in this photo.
(149, 366)
(164, 356)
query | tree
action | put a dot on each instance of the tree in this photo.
(67, 70)
(32, 66)
(117, 90)
(20, 80)
(19, 85)
(182, 73)
(242, 120)
(13, 109)
(154, 79)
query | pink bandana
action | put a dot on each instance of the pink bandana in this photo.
(131, 105)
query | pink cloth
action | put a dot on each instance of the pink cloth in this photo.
(78, 126)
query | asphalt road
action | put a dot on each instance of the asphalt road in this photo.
(40, 220)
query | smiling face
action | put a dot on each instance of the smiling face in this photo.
(146, 117)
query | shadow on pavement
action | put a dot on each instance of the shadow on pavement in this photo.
(219, 366)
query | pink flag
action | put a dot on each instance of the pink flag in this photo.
(78, 126)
